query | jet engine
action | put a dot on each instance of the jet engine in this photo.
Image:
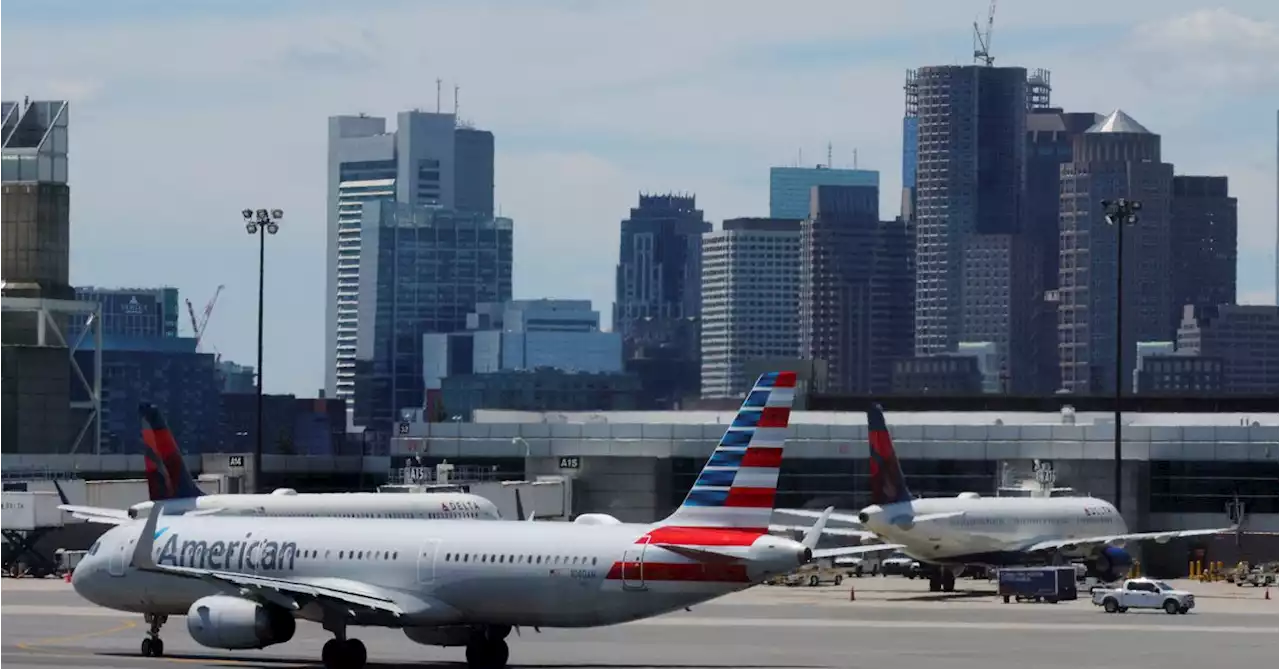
(1111, 564)
(453, 635)
(220, 621)
(596, 519)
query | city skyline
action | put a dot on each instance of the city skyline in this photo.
(165, 151)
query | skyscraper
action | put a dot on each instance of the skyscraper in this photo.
(1242, 336)
(1116, 158)
(422, 270)
(750, 300)
(36, 220)
(1202, 238)
(969, 177)
(789, 186)
(427, 161)
(1050, 136)
(659, 297)
(856, 289)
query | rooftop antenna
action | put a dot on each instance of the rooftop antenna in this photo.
(829, 165)
(455, 101)
(438, 82)
(982, 40)
(855, 159)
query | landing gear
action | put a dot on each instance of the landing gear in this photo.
(153, 645)
(942, 580)
(343, 654)
(488, 648)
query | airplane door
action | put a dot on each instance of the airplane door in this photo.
(427, 561)
(119, 557)
(633, 565)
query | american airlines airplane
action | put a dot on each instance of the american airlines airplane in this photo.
(242, 582)
(171, 485)
(952, 532)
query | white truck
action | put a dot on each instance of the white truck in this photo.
(1144, 593)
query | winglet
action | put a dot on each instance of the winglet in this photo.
(146, 541)
(813, 534)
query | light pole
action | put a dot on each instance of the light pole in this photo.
(1119, 213)
(260, 222)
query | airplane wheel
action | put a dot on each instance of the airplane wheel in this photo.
(157, 648)
(488, 655)
(146, 647)
(355, 653)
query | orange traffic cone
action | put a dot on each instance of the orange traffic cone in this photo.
(853, 596)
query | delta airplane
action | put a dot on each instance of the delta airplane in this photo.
(170, 484)
(952, 532)
(242, 582)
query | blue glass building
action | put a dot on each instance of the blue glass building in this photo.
(422, 270)
(790, 187)
(165, 371)
(132, 312)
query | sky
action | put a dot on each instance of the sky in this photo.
(184, 113)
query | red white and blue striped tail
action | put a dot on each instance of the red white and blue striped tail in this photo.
(737, 486)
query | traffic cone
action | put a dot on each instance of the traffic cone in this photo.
(853, 596)
(67, 576)
(1267, 594)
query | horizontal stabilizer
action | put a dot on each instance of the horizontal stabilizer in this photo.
(848, 518)
(845, 551)
(828, 531)
(700, 554)
(814, 534)
(96, 514)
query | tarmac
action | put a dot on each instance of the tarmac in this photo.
(894, 623)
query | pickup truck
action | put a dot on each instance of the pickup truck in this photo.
(1144, 593)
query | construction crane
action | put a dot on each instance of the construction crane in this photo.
(982, 40)
(198, 325)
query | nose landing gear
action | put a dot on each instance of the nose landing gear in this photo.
(153, 645)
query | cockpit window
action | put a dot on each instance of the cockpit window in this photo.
(94, 548)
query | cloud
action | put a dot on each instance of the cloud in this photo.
(182, 118)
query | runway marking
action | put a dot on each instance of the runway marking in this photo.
(53, 610)
(53, 640)
(912, 624)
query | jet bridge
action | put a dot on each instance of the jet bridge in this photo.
(545, 498)
(27, 517)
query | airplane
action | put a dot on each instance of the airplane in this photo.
(242, 582)
(950, 533)
(171, 485)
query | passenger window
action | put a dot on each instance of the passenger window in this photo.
(339, 555)
(539, 559)
(395, 555)
(502, 558)
(593, 561)
(447, 557)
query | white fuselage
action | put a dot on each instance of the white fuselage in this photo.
(435, 506)
(989, 529)
(444, 572)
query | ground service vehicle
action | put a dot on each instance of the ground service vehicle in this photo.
(814, 574)
(1144, 593)
(1048, 584)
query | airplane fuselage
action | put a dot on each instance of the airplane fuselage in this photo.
(989, 530)
(434, 506)
(445, 572)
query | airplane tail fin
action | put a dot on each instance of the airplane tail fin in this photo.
(888, 485)
(167, 474)
(737, 485)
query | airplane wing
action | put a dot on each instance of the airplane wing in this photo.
(1158, 537)
(290, 594)
(96, 514)
(844, 551)
(810, 513)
